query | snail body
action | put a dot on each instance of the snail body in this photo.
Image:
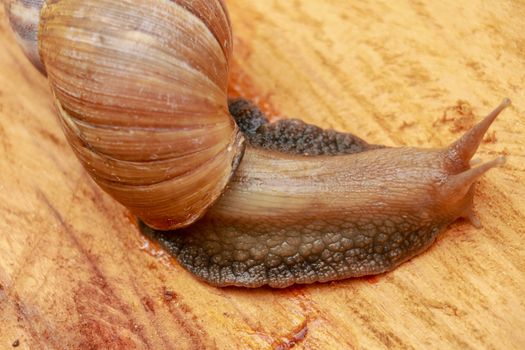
(141, 92)
(288, 218)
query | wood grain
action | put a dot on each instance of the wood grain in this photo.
(76, 274)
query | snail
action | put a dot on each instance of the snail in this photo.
(140, 88)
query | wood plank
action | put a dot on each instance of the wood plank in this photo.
(75, 273)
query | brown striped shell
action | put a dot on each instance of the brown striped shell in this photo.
(141, 92)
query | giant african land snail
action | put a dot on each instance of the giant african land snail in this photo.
(141, 92)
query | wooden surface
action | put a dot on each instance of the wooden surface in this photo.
(75, 273)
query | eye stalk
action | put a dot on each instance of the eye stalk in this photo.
(462, 151)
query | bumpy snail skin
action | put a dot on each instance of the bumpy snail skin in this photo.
(292, 135)
(289, 219)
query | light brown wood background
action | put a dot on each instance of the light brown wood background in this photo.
(76, 274)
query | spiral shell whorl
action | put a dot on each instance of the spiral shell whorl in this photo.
(141, 90)
(24, 18)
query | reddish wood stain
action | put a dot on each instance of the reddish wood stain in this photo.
(296, 336)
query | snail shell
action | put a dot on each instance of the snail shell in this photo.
(141, 93)
(140, 87)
